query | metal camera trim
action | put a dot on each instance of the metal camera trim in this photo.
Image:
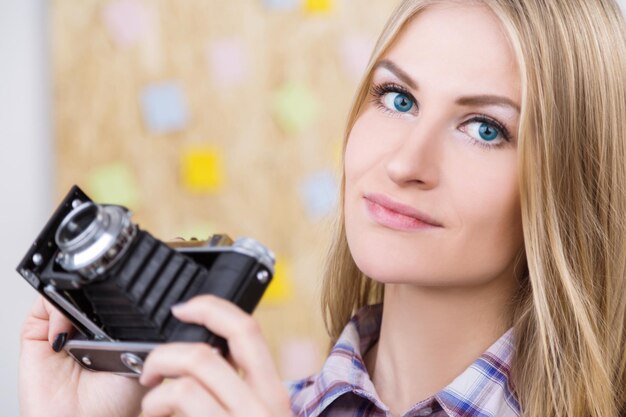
(98, 333)
(128, 353)
(42, 269)
(245, 245)
(96, 248)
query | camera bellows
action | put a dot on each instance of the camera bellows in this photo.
(135, 300)
(117, 283)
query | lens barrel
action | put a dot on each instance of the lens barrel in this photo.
(92, 237)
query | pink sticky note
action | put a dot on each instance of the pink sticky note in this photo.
(299, 358)
(126, 20)
(228, 61)
(355, 51)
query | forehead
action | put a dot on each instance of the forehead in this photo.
(461, 47)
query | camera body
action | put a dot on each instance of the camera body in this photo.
(117, 283)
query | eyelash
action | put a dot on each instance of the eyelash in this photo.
(379, 90)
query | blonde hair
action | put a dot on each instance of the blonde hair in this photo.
(570, 313)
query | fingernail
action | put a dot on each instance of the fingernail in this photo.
(178, 306)
(59, 341)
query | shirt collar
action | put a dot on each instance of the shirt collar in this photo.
(483, 389)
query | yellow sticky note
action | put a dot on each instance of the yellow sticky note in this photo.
(318, 6)
(201, 169)
(280, 288)
(113, 184)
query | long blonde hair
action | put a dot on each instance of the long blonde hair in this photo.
(570, 315)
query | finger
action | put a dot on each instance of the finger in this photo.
(231, 361)
(44, 322)
(183, 397)
(58, 323)
(205, 365)
(246, 343)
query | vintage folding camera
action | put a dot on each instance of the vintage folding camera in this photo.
(116, 282)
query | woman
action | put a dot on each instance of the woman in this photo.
(480, 247)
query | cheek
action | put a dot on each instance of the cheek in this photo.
(481, 198)
(488, 211)
(477, 190)
(368, 144)
(359, 150)
(361, 168)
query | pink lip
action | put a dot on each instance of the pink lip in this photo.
(393, 214)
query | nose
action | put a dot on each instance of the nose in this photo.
(418, 154)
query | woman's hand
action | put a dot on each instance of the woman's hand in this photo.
(52, 384)
(205, 383)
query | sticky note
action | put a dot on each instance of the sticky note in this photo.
(299, 358)
(295, 108)
(281, 5)
(228, 61)
(280, 288)
(355, 52)
(319, 193)
(113, 184)
(127, 21)
(164, 107)
(318, 6)
(201, 169)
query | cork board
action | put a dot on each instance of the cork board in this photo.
(209, 116)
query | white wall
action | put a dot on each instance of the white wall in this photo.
(25, 168)
(26, 174)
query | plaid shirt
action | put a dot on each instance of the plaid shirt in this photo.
(343, 387)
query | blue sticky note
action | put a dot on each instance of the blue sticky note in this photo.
(164, 107)
(319, 193)
(281, 5)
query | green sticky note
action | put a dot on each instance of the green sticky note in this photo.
(295, 107)
(113, 184)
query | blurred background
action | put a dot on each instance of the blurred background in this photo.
(202, 116)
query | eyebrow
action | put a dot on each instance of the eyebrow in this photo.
(478, 100)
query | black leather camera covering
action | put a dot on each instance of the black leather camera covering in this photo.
(133, 301)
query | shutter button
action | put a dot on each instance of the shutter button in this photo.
(425, 412)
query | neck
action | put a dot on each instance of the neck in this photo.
(430, 335)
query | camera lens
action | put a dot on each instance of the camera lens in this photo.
(77, 222)
(92, 237)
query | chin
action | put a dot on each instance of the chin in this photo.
(388, 267)
(385, 269)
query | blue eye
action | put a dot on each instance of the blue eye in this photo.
(484, 131)
(393, 98)
(398, 101)
(487, 132)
